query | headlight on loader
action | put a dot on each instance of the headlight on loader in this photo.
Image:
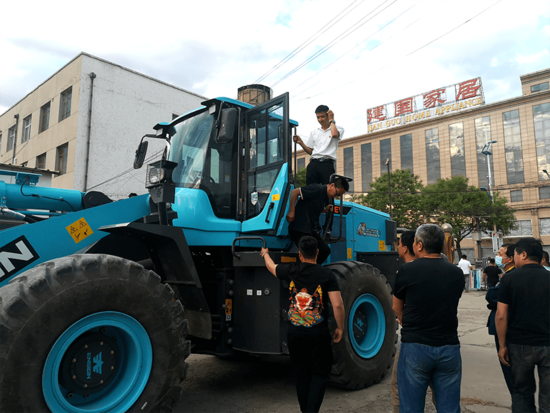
(155, 176)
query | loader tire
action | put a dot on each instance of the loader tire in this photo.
(367, 350)
(90, 333)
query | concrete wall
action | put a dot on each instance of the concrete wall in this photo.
(57, 133)
(126, 105)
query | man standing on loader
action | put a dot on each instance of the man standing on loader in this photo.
(309, 340)
(322, 145)
(304, 215)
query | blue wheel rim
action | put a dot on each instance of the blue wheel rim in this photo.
(366, 326)
(136, 359)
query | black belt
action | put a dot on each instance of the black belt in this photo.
(322, 160)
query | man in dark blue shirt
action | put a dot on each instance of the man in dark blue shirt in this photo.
(309, 342)
(303, 215)
(425, 301)
(523, 326)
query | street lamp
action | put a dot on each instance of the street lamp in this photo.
(546, 172)
(389, 185)
(486, 151)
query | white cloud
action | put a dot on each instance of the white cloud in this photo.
(213, 47)
(533, 57)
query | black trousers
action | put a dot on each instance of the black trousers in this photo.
(507, 372)
(311, 355)
(319, 171)
(324, 249)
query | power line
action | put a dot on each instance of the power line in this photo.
(404, 57)
(124, 172)
(355, 47)
(336, 40)
(326, 27)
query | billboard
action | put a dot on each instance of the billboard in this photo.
(437, 102)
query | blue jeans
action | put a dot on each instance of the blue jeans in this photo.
(419, 365)
(523, 360)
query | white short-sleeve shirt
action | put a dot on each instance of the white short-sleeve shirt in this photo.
(465, 265)
(322, 143)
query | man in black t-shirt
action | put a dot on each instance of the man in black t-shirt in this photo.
(304, 215)
(425, 301)
(309, 340)
(492, 274)
(523, 326)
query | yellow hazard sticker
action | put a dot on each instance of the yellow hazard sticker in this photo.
(288, 259)
(381, 245)
(275, 197)
(228, 306)
(79, 230)
(349, 253)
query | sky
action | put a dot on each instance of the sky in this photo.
(351, 55)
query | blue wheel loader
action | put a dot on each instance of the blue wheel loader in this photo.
(102, 302)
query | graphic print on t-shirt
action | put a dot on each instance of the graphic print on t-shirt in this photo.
(305, 309)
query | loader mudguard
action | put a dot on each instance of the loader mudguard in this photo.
(172, 260)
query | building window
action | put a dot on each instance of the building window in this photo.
(483, 135)
(516, 196)
(458, 160)
(61, 159)
(26, 129)
(301, 163)
(0, 142)
(544, 226)
(512, 147)
(65, 104)
(44, 118)
(525, 229)
(432, 155)
(348, 165)
(385, 153)
(11, 137)
(539, 88)
(41, 161)
(541, 118)
(407, 152)
(366, 167)
(544, 192)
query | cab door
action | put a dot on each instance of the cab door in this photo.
(267, 155)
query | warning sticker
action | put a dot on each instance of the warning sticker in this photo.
(275, 197)
(288, 259)
(79, 230)
(381, 246)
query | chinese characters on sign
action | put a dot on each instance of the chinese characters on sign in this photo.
(404, 106)
(437, 102)
(377, 113)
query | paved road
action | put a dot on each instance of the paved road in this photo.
(266, 385)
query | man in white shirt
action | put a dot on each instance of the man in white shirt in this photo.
(466, 266)
(322, 145)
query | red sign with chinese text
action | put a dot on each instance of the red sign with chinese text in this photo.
(377, 113)
(467, 89)
(433, 98)
(404, 106)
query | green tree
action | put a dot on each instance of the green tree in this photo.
(453, 201)
(406, 204)
(301, 178)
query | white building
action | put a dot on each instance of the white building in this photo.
(86, 122)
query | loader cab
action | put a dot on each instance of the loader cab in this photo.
(205, 163)
(239, 156)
